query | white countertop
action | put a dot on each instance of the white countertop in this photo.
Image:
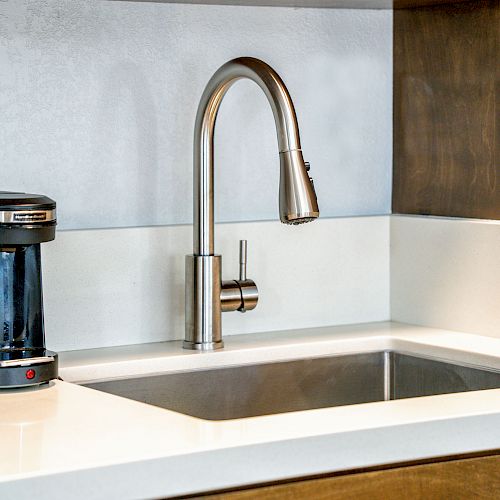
(66, 441)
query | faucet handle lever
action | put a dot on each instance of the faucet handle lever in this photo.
(248, 289)
(243, 260)
(242, 294)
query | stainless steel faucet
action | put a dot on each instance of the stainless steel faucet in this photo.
(206, 294)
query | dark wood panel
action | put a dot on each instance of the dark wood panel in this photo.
(458, 480)
(446, 92)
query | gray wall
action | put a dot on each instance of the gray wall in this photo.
(98, 98)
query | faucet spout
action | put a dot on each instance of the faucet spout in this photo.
(206, 295)
(297, 196)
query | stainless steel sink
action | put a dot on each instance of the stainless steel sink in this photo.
(270, 388)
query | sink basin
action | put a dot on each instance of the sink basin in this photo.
(279, 387)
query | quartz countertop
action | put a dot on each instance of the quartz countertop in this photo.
(67, 441)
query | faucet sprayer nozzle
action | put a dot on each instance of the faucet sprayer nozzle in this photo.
(298, 203)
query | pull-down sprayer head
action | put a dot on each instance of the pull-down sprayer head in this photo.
(298, 202)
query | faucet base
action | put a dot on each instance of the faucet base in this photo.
(202, 346)
(203, 303)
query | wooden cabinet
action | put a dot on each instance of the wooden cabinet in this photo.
(450, 479)
(446, 94)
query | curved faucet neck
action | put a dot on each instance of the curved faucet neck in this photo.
(286, 129)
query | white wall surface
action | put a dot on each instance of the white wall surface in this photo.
(98, 99)
(445, 273)
(126, 286)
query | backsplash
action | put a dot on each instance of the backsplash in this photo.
(445, 273)
(98, 100)
(126, 286)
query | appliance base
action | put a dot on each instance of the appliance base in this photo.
(25, 372)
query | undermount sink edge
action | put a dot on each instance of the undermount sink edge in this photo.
(269, 388)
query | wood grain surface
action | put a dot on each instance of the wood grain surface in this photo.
(466, 479)
(404, 4)
(446, 93)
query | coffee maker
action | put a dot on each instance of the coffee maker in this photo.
(26, 220)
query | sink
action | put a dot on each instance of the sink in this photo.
(303, 384)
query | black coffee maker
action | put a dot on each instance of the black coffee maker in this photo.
(26, 220)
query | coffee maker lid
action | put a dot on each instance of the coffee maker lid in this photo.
(26, 218)
(25, 201)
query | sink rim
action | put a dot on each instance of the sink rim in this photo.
(404, 352)
(383, 366)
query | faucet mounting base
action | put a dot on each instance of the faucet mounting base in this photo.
(203, 346)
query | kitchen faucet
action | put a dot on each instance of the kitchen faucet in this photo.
(206, 294)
